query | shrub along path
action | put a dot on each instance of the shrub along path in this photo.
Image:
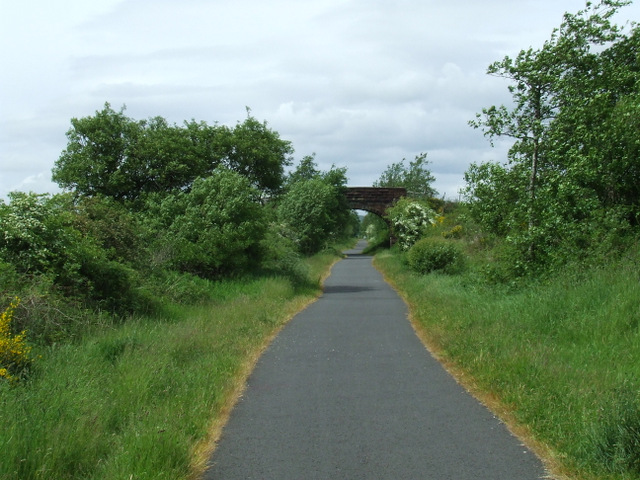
(347, 390)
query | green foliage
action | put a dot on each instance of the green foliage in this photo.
(258, 153)
(96, 160)
(410, 221)
(492, 207)
(214, 229)
(416, 178)
(574, 163)
(115, 156)
(281, 254)
(374, 228)
(433, 254)
(307, 169)
(153, 210)
(137, 400)
(113, 228)
(33, 233)
(313, 210)
(307, 210)
(57, 269)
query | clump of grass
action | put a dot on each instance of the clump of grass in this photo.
(617, 435)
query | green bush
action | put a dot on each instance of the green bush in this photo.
(435, 254)
(281, 255)
(111, 226)
(309, 212)
(213, 230)
(43, 245)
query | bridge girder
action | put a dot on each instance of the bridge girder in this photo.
(374, 199)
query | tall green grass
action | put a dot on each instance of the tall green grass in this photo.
(561, 357)
(138, 400)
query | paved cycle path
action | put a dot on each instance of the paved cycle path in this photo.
(347, 391)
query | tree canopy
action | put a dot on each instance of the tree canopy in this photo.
(573, 168)
(415, 177)
(115, 156)
(314, 207)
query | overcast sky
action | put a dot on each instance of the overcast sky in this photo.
(362, 83)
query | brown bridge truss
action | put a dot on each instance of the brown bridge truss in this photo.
(373, 199)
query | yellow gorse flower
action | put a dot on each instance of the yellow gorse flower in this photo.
(14, 351)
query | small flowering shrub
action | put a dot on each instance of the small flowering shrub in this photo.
(410, 220)
(455, 232)
(39, 240)
(14, 352)
(434, 254)
(26, 238)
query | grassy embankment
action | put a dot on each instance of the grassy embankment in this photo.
(559, 360)
(145, 399)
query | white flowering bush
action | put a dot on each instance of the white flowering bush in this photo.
(410, 220)
(25, 234)
(38, 238)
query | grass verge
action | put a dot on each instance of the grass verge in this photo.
(144, 399)
(557, 361)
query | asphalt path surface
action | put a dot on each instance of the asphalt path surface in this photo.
(348, 391)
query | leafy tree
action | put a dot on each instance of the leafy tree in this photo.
(333, 215)
(346, 221)
(115, 156)
(416, 177)
(164, 158)
(96, 160)
(594, 140)
(212, 230)
(308, 210)
(306, 170)
(257, 152)
(564, 95)
(493, 208)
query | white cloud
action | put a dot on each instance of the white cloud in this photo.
(362, 83)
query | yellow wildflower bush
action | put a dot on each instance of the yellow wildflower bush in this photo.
(14, 352)
(455, 232)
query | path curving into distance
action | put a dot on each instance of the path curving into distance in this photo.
(348, 391)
